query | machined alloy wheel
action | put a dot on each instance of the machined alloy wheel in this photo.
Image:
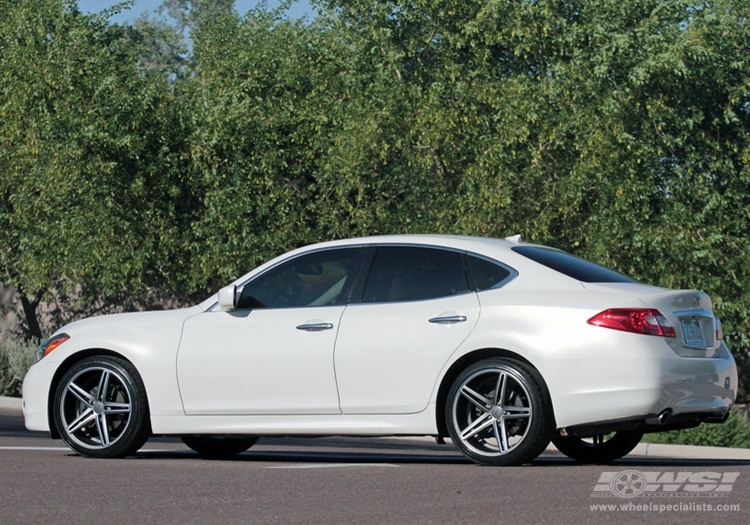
(601, 448)
(100, 408)
(498, 414)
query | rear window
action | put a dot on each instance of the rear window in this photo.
(572, 266)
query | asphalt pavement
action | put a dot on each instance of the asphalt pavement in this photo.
(11, 407)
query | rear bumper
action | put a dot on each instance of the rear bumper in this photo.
(635, 384)
(660, 423)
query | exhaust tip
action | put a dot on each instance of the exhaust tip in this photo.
(664, 416)
(718, 418)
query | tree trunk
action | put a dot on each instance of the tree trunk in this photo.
(32, 330)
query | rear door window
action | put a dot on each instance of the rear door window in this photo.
(411, 273)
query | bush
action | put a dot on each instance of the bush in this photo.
(15, 359)
(734, 433)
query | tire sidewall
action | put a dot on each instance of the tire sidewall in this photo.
(540, 428)
(138, 428)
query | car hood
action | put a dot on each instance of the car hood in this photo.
(135, 336)
(131, 320)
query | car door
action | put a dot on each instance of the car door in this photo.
(274, 353)
(416, 309)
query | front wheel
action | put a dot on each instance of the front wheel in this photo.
(100, 408)
(498, 414)
(601, 448)
(218, 447)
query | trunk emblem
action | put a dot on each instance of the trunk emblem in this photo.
(697, 300)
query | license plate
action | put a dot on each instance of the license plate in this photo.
(691, 328)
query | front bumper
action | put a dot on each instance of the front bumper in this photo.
(35, 396)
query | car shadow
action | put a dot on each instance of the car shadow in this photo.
(401, 451)
(364, 450)
(405, 459)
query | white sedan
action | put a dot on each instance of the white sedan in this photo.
(498, 344)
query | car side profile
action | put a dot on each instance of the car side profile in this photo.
(500, 345)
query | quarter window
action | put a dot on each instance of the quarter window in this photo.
(405, 273)
(487, 274)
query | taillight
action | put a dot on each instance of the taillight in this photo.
(636, 320)
(719, 330)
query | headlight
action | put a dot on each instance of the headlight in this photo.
(49, 344)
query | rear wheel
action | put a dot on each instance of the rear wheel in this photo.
(219, 446)
(601, 448)
(498, 414)
(100, 408)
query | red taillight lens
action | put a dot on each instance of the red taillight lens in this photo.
(636, 320)
(719, 330)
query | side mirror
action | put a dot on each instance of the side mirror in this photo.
(227, 298)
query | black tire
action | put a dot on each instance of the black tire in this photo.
(602, 448)
(217, 447)
(100, 408)
(498, 413)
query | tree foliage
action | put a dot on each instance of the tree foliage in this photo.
(177, 153)
(88, 199)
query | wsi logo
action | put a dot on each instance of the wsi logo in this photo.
(632, 483)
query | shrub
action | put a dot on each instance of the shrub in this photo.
(734, 433)
(15, 359)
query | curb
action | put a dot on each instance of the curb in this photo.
(663, 451)
(12, 406)
(690, 452)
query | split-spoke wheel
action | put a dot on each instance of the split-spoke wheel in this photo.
(498, 414)
(100, 408)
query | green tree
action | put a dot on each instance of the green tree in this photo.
(167, 35)
(617, 130)
(252, 142)
(89, 193)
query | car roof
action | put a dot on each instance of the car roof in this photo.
(463, 242)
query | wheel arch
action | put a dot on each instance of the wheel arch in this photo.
(66, 365)
(467, 360)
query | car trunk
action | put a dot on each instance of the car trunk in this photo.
(697, 329)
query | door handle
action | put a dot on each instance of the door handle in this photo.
(315, 327)
(448, 319)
